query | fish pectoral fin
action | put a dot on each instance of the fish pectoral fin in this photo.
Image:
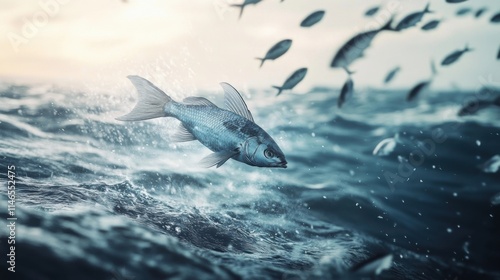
(234, 102)
(201, 101)
(182, 135)
(218, 158)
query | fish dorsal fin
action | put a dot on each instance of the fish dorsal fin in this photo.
(218, 158)
(182, 135)
(194, 100)
(234, 102)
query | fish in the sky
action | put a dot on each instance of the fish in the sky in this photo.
(312, 19)
(454, 56)
(431, 25)
(292, 81)
(355, 47)
(391, 74)
(374, 265)
(372, 11)
(480, 12)
(276, 51)
(455, 1)
(417, 89)
(422, 86)
(347, 90)
(412, 19)
(244, 4)
(463, 11)
(495, 18)
(230, 133)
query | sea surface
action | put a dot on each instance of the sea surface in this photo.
(96, 198)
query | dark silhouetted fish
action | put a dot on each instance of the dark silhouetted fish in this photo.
(455, 1)
(372, 11)
(498, 54)
(480, 12)
(312, 19)
(391, 75)
(454, 56)
(347, 89)
(417, 89)
(230, 133)
(495, 18)
(431, 24)
(276, 51)
(412, 19)
(355, 47)
(292, 81)
(244, 4)
(463, 11)
(374, 265)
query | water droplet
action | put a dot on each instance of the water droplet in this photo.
(478, 143)
(455, 194)
(178, 229)
(449, 230)
(324, 196)
(313, 134)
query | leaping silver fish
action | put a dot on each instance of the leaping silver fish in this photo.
(229, 133)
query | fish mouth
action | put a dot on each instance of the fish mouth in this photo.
(283, 164)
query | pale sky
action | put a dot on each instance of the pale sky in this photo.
(196, 44)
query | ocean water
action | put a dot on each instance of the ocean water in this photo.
(102, 199)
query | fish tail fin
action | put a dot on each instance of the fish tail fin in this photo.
(261, 61)
(349, 72)
(467, 48)
(241, 6)
(280, 89)
(427, 9)
(388, 24)
(150, 104)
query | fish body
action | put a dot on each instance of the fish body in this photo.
(372, 11)
(431, 25)
(412, 19)
(454, 56)
(244, 4)
(346, 90)
(495, 18)
(417, 89)
(480, 12)
(229, 133)
(392, 74)
(312, 19)
(276, 51)
(292, 81)
(455, 1)
(463, 11)
(355, 47)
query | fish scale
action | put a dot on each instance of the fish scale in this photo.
(206, 123)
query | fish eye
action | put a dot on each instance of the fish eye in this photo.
(268, 153)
